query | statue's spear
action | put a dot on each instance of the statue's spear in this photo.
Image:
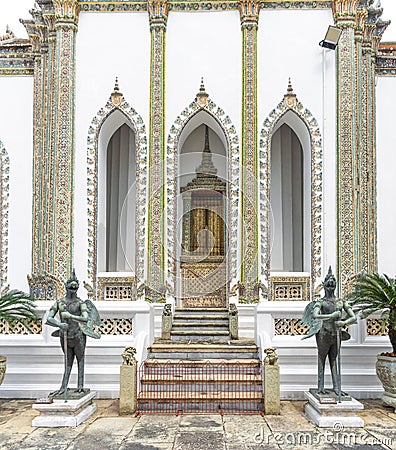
(65, 347)
(339, 362)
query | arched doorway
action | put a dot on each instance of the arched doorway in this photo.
(202, 216)
(224, 144)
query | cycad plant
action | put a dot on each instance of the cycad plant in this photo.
(17, 307)
(375, 293)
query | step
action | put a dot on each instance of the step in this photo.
(192, 317)
(201, 351)
(199, 333)
(244, 362)
(203, 396)
(158, 376)
(202, 309)
(236, 345)
(201, 406)
(212, 312)
(220, 323)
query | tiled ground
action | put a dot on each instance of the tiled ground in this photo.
(108, 431)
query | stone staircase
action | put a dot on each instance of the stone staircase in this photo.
(200, 369)
(210, 324)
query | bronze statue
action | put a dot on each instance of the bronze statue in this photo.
(77, 318)
(324, 317)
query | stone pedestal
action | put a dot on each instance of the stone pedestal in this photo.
(64, 414)
(342, 415)
(271, 389)
(128, 388)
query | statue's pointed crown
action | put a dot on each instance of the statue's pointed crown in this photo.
(329, 274)
(73, 277)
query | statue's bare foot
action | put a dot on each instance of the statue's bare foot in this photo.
(80, 390)
(58, 392)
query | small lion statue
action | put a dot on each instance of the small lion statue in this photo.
(272, 357)
(128, 356)
(167, 311)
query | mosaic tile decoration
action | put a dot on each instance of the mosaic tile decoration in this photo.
(4, 209)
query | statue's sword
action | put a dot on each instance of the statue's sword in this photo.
(65, 347)
(339, 363)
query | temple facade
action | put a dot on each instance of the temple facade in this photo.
(200, 154)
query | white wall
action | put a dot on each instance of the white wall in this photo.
(386, 180)
(108, 45)
(205, 45)
(288, 46)
(16, 134)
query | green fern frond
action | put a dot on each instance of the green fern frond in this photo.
(18, 307)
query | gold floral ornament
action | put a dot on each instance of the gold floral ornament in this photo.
(116, 96)
(202, 96)
(290, 97)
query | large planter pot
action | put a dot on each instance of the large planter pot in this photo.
(386, 372)
(3, 361)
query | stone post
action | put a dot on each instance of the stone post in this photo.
(344, 12)
(233, 318)
(128, 382)
(271, 382)
(249, 14)
(156, 227)
(167, 321)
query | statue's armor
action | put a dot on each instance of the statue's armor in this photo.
(73, 307)
(328, 307)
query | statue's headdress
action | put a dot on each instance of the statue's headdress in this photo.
(72, 278)
(329, 275)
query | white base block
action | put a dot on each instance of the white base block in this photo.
(65, 414)
(336, 416)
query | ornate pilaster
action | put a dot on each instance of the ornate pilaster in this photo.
(380, 28)
(156, 229)
(360, 198)
(347, 188)
(62, 147)
(367, 161)
(36, 31)
(249, 14)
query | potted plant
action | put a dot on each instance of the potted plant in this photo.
(16, 307)
(375, 293)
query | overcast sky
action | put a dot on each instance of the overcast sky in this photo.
(11, 12)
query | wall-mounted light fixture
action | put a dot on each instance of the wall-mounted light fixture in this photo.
(332, 37)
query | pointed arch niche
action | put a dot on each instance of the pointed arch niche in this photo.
(4, 205)
(291, 191)
(186, 132)
(117, 185)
